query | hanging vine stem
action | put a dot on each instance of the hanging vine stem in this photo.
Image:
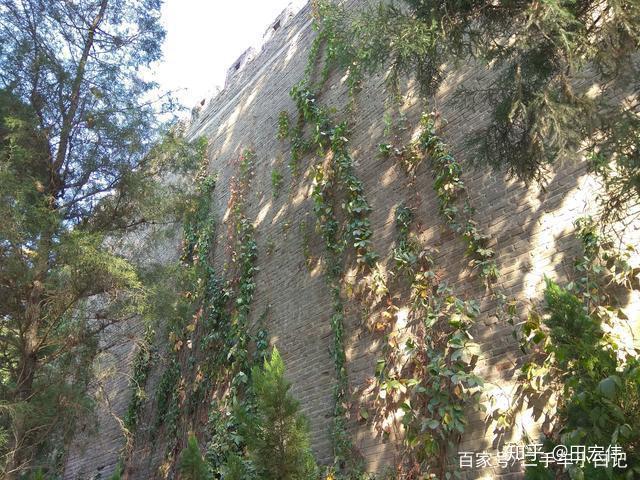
(141, 369)
(440, 359)
(195, 282)
(451, 191)
(211, 316)
(427, 371)
(327, 138)
(329, 230)
(234, 363)
(450, 188)
(245, 257)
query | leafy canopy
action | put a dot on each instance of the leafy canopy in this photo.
(77, 123)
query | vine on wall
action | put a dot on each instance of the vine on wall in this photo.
(427, 371)
(140, 373)
(207, 325)
(453, 200)
(184, 383)
(436, 347)
(429, 374)
(337, 176)
(233, 365)
(328, 226)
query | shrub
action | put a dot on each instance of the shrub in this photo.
(191, 464)
(276, 433)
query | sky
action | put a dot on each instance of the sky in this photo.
(205, 37)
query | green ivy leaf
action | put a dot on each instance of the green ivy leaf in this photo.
(609, 386)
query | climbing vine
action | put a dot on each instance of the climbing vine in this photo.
(140, 373)
(305, 234)
(207, 321)
(233, 362)
(435, 349)
(355, 233)
(245, 257)
(277, 180)
(427, 371)
(436, 386)
(450, 189)
(328, 226)
(283, 125)
(183, 384)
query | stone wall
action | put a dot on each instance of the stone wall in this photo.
(531, 231)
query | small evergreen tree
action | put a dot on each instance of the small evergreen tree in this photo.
(37, 475)
(276, 433)
(191, 464)
(235, 469)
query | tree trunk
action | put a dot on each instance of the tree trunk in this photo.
(19, 456)
(69, 116)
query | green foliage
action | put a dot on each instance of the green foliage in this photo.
(325, 137)
(236, 469)
(226, 443)
(37, 475)
(328, 226)
(367, 40)
(141, 369)
(385, 149)
(406, 251)
(579, 357)
(450, 188)
(191, 465)
(442, 385)
(246, 254)
(183, 293)
(539, 114)
(436, 386)
(335, 138)
(77, 123)
(203, 297)
(617, 161)
(167, 398)
(276, 433)
(117, 474)
(283, 125)
(276, 182)
(226, 314)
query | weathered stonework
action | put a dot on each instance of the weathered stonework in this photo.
(531, 231)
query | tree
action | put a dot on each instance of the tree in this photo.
(76, 125)
(276, 433)
(191, 464)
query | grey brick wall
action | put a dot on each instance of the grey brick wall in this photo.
(530, 229)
